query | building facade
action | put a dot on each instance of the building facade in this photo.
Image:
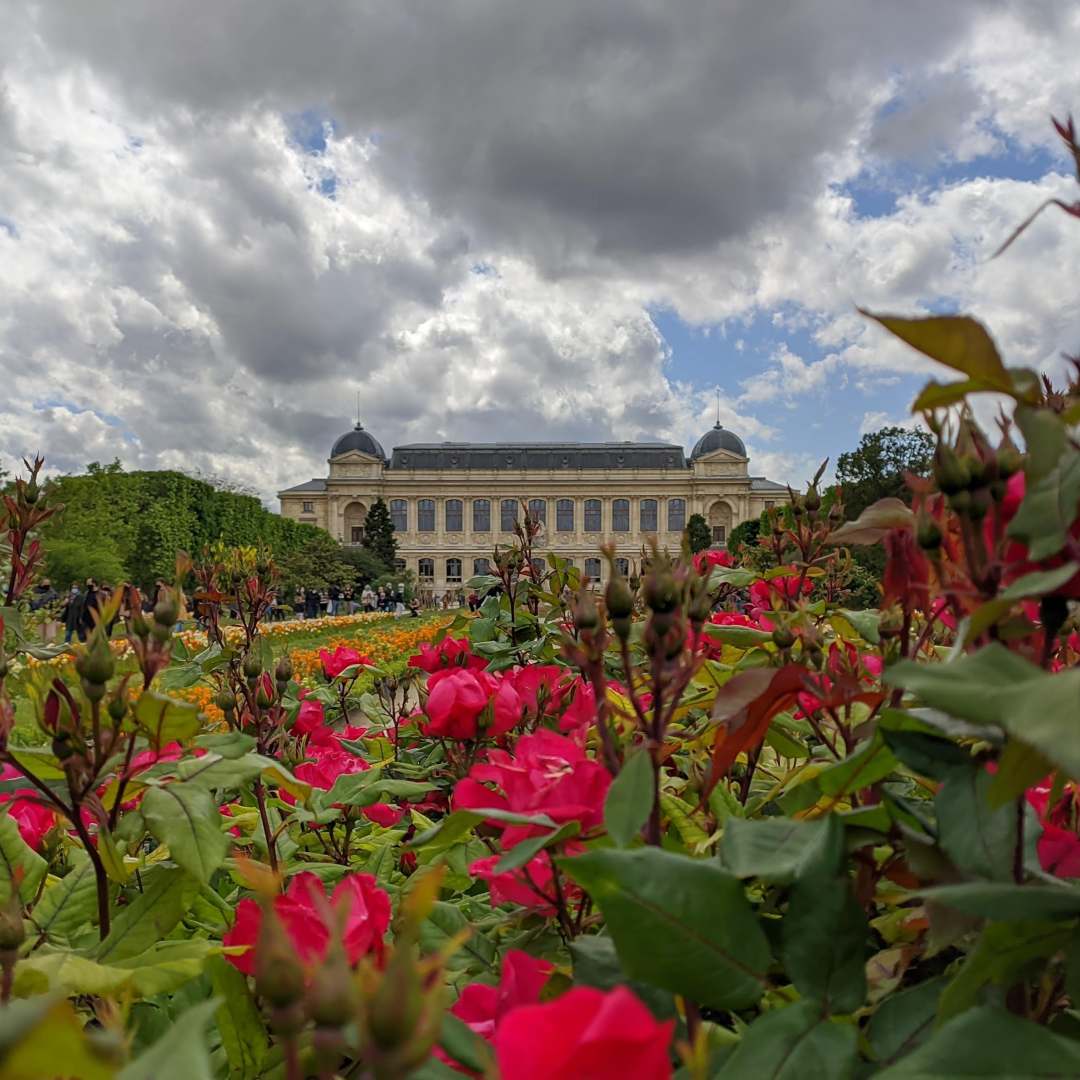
(451, 503)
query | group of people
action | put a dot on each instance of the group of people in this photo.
(77, 612)
(314, 603)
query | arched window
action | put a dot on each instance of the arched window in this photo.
(426, 569)
(592, 515)
(454, 515)
(481, 515)
(676, 515)
(539, 569)
(623, 566)
(538, 510)
(564, 515)
(508, 511)
(425, 515)
(399, 565)
(720, 521)
(620, 515)
(399, 515)
(453, 570)
(355, 516)
(481, 566)
(592, 569)
(648, 515)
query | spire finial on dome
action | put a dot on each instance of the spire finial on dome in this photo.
(718, 407)
(359, 426)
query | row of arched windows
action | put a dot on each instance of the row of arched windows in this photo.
(426, 568)
(565, 515)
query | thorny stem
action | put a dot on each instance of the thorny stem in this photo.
(271, 846)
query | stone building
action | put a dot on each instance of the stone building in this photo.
(451, 503)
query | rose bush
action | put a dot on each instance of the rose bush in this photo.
(719, 820)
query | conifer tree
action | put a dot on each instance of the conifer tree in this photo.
(697, 533)
(379, 534)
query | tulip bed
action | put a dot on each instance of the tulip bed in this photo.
(716, 822)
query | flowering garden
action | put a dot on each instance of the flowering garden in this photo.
(714, 821)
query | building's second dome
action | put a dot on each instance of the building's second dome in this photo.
(358, 439)
(718, 438)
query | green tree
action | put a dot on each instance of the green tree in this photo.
(67, 561)
(367, 566)
(379, 534)
(875, 468)
(317, 565)
(697, 533)
(745, 534)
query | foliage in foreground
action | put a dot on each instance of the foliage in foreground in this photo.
(714, 823)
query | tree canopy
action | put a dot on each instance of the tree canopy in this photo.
(379, 534)
(697, 533)
(137, 521)
(875, 468)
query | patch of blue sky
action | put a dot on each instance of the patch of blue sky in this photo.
(9, 227)
(875, 192)
(310, 129)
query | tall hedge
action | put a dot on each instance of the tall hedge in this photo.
(146, 517)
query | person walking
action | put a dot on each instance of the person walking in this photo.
(90, 605)
(72, 612)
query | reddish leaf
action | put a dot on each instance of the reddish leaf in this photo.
(745, 707)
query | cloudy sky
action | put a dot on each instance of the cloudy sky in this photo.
(508, 219)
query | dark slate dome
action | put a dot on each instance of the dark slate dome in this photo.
(358, 439)
(719, 438)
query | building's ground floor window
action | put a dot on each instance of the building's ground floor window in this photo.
(719, 534)
(453, 570)
(592, 569)
(426, 569)
(623, 566)
(481, 566)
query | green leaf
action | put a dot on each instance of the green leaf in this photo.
(42, 1034)
(873, 761)
(445, 922)
(168, 965)
(988, 1042)
(796, 1042)
(977, 838)
(1003, 951)
(874, 522)
(957, 341)
(1019, 767)
(239, 1022)
(713, 951)
(1008, 902)
(164, 719)
(825, 935)
(779, 850)
(742, 637)
(596, 963)
(21, 868)
(865, 623)
(182, 1051)
(186, 819)
(69, 904)
(935, 395)
(522, 852)
(904, 1020)
(151, 916)
(231, 744)
(1049, 508)
(463, 1044)
(630, 799)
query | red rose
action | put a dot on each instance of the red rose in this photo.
(458, 696)
(584, 1033)
(450, 652)
(334, 663)
(530, 886)
(384, 814)
(368, 917)
(1015, 552)
(704, 561)
(35, 820)
(310, 718)
(547, 774)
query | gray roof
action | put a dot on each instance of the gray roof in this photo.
(359, 439)
(308, 485)
(539, 455)
(759, 483)
(718, 438)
